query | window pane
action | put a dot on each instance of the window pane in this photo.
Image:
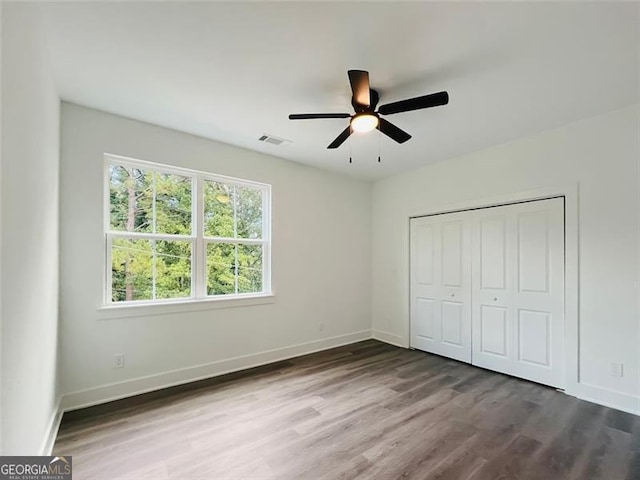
(249, 212)
(131, 270)
(221, 261)
(173, 269)
(218, 209)
(249, 268)
(173, 204)
(131, 199)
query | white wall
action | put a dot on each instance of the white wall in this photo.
(29, 234)
(601, 155)
(1, 395)
(321, 266)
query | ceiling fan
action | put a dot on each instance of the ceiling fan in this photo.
(365, 118)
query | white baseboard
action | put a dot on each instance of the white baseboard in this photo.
(396, 340)
(607, 397)
(52, 430)
(136, 386)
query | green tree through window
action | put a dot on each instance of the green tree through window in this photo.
(157, 246)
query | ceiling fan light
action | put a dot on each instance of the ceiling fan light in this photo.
(364, 122)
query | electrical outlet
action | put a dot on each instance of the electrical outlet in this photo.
(118, 361)
(616, 369)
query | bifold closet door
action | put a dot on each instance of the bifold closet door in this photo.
(518, 290)
(441, 285)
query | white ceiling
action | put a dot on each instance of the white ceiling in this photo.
(233, 71)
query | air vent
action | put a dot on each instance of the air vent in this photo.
(274, 140)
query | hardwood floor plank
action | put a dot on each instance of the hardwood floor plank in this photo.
(559, 456)
(511, 462)
(610, 455)
(620, 420)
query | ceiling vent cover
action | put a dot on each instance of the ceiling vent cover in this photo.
(266, 138)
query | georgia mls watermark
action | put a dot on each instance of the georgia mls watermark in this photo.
(35, 468)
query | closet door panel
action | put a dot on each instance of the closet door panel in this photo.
(534, 335)
(452, 240)
(525, 339)
(452, 323)
(493, 252)
(441, 285)
(494, 331)
(424, 255)
(533, 252)
(426, 325)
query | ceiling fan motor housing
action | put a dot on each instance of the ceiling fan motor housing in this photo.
(373, 103)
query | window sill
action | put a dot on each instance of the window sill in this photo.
(182, 306)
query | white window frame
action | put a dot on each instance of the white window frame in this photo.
(198, 240)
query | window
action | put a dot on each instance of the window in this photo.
(175, 234)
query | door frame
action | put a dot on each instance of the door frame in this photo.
(570, 192)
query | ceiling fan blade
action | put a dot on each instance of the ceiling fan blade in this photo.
(311, 116)
(359, 80)
(393, 132)
(341, 138)
(426, 101)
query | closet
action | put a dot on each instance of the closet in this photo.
(487, 288)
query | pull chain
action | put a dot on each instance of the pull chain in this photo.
(350, 159)
(379, 146)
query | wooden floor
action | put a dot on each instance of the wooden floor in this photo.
(367, 410)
